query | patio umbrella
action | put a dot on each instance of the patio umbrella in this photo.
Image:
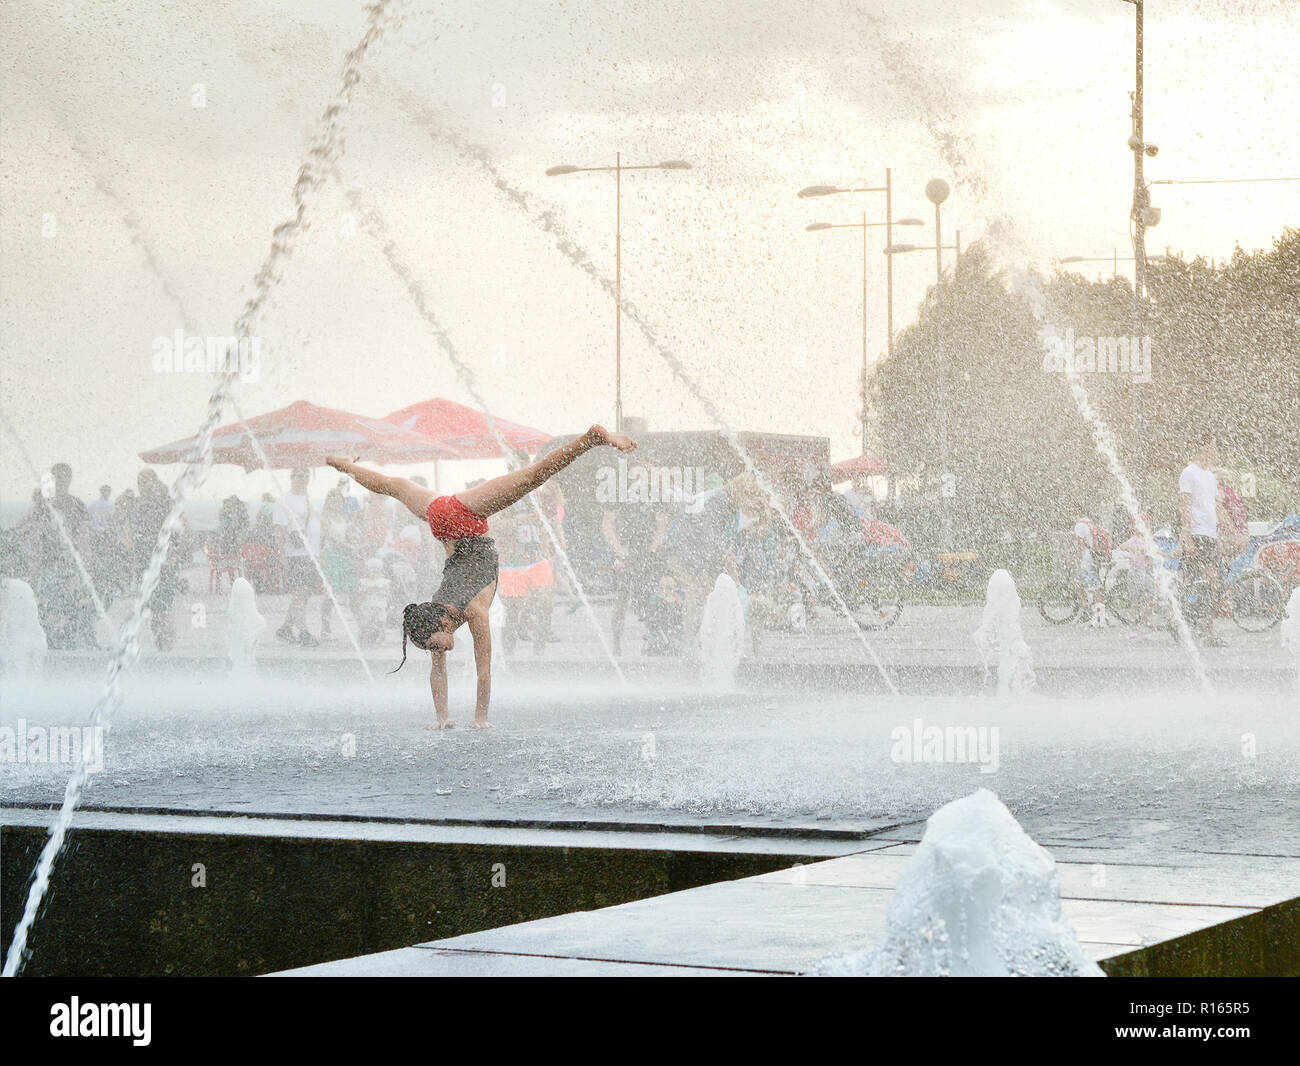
(303, 434)
(465, 430)
(859, 466)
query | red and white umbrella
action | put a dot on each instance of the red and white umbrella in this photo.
(302, 435)
(858, 466)
(465, 430)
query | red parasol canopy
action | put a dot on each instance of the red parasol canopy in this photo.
(465, 430)
(303, 434)
(859, 466)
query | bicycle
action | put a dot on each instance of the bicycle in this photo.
(1252, 597)
(1115, 595)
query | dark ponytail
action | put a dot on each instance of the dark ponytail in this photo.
(419, 622)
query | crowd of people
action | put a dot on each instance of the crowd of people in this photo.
(655, 561)
(114, 540)
(665, 557)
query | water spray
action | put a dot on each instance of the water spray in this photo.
(326, 147)
(548, 221)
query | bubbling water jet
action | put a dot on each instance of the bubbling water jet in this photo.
(722, 635)
(1000, 635)
(22, 639)
(244, 625)
(978, 899)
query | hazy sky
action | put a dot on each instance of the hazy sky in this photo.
(1022, 105)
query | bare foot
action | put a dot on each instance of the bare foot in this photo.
(340, 462)
(480, 723)
(442, 723)
(621, 441)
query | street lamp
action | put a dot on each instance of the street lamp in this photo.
(864, 225)
(1114, 259)
(1218, 181)
(888, 190)
(618, 168)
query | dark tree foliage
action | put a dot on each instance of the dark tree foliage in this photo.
(1224, 353)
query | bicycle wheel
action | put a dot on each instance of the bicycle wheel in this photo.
(1059, 603)
(1257, 600)
(878, 607)
(1121, 596)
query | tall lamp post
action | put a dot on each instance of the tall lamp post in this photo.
(1142, 214)
(618, 168)
(888, 190)
(936, 191)
(864, 225)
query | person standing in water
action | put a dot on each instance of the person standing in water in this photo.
(469, 576)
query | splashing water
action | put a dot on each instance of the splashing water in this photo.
(978, 899)
(548, 221)
(22, 640)
(326, 147)
(1106, 447)
(722, 635)
(1291, 631)
(378, 232)
(1000, 635)
(936, 114)
(244, 625)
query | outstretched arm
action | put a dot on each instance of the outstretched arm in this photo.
(481, 633)
(438, 686)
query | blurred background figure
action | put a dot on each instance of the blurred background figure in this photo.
(338, 558)
(298, 529)
(151, 508)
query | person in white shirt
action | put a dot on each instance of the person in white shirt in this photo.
(101, 511)
(296, 519)
(1087, 575)
(1198, 542)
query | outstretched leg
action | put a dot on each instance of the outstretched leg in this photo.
(499, 493)
(415, 497)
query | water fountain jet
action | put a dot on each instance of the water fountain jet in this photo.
(244, 625)
(22, 638)
(978, 899)
(722, 635)
(1000, 636)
